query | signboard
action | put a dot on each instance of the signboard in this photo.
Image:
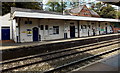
(23, 32)
(102, 30)
(29, 32)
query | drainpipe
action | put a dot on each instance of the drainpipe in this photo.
(99, 28)
(19, 28)
(78, 29)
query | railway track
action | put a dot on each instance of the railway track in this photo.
(21, 63)
(79, 63)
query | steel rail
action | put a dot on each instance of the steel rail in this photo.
(55, 58)
(54, 52)
(81, 60)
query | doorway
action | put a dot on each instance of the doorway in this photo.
(106, 30)
(5, 33)
(35, 34)
(72, 31)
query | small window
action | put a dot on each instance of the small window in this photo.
(46, 27)
(55, 29)
(86, 13)
(26, 22)
(41, 27)
(30, 22)
(72, 23)
(88, 26)
(99, 25)
(83, 26)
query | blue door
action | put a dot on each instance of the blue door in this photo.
(5, 34)
(35, 34)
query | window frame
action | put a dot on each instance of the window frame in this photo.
(55, 29)
(41, 27)
(46, 27)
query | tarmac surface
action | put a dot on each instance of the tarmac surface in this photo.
(4, 46)
(110, 65)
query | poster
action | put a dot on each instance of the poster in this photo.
(102, 30)
(29, 32)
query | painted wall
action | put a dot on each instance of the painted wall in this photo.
(5, 22)
(24, 37)
(0, 26)
(48, 34)
(104, 26)
(85, 28)
(90, 26)
(14, 30)
(67, 27)
(45, 34)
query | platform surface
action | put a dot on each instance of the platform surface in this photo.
(18, 45)
(108, 65)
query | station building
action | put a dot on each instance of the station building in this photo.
(34, 25)
(5, 27)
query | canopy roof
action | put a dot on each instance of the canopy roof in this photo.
(77, 11)
(31, 14)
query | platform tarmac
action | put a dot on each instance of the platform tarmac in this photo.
(110, 65)
(7, 46)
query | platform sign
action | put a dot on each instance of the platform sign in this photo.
(102, 30)
(23, 32)
(29, 32)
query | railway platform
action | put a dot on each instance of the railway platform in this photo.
(109, 65)
(15, 50)
(9, 46)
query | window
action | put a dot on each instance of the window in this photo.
(41, 27)
(88, 26)
(83, 26)
(86, 9)
(55, 29)
(28, 22)
(72, 23)
(86, 13)
(46, 27)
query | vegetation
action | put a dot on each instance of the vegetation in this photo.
(105, 10)
(56, 6)
(30, 5)
(118, 14)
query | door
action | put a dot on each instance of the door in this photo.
(5, 33)
(35, 34)
(65, 35)
(72, 31)
(106, 30)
